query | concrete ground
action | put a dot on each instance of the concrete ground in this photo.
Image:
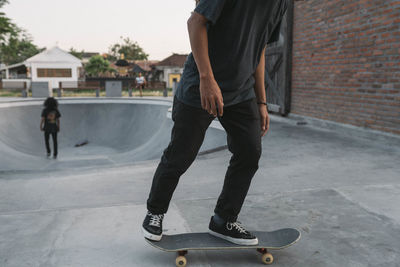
(340, 186)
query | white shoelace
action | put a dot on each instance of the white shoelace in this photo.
(237, 226)
(155, 220)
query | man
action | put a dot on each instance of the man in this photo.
(140, 83)
(224, 78)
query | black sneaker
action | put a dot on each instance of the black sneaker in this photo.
(48, 155)
(152, 226)
(233, 232)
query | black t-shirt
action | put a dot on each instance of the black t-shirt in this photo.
(238, 31)
(50, 119)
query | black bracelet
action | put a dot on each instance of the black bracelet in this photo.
(262, 103)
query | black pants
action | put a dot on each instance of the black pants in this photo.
(242, 124)
(46, 139)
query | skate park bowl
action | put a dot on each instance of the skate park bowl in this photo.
(112, 131)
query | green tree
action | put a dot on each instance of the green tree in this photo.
(7, 28)
(17, 50)
(75, 53)
(98, 65)
(130, 49)
(15, 44)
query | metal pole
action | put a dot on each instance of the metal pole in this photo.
(59, 91)
(174, 87)
(25, 91)
(165, 94)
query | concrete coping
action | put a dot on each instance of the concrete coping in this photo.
(107, 100)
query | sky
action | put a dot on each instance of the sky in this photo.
(159, 26)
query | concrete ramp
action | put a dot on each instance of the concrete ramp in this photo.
(116, 131)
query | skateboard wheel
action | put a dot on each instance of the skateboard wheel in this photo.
(267, 258)
(180, 261)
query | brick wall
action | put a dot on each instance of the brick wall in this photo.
(346, 62)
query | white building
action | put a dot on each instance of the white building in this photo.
(171, 69)
(53, 65)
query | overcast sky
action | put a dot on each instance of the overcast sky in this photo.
(159, 26)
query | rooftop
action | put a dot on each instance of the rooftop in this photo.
(175, 60)
(54, 54)
(146, 64)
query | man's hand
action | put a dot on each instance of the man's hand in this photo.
(264, 119)
(210, 93)
(211, 97)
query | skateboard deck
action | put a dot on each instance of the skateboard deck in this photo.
(82, 143)
(182, 243)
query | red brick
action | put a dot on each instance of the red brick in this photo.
(346, 63)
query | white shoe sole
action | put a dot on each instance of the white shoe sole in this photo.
(237, 241)
(151, 236)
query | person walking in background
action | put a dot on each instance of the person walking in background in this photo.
(50, 124)
(140, 83)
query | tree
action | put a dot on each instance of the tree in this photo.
(98, 65)
(7, 28)
(75, 53)
(17, 50)
(130, 49)
(3, 2)
(15, 44)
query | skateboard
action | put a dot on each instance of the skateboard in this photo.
(182, 243)
(82, 143)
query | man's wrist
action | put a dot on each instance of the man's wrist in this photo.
(263, 103)
(206, 76)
